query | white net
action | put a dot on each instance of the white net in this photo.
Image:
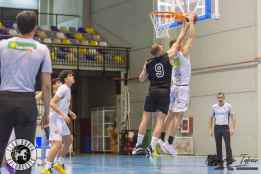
(204, 9)
(161, 25)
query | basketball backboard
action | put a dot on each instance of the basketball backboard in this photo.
(205, 9)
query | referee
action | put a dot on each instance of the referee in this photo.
(224, 121)
(21, 58)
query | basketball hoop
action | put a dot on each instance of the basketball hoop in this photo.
(162, 22)
(168, 14)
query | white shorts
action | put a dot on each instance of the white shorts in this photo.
(179, 98)
(58, 128)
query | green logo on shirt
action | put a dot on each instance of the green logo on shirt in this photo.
(23, 46)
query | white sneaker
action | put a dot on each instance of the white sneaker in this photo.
(40, 162)
(139, 150)
(170, 149)
(161, 146)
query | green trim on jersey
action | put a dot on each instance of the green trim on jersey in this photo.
(19, 45)
(176, 62)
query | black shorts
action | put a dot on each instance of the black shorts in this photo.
(18, 111)
(157, 103)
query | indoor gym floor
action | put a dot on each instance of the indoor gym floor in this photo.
(117, 164)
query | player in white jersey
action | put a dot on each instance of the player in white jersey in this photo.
(60, 135)
(179, 93)
(56, 83)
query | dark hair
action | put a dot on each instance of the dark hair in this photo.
(172, 42)
(26, 21)
(64, 74)
(221, 94)
(55, 80)
(155, 49)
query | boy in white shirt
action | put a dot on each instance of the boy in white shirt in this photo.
(60, 135)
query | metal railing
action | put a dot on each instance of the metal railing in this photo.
(83, 57)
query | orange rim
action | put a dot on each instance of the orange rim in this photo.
(163, 14)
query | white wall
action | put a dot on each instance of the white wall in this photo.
(44, 7)
(258, 20)
(232, 39)
(70, 7)
(229, 40)
(26, 4)
(126, 23)
(240, 93)
(123, 22)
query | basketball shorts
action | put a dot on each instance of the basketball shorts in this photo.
(179, 98)
(58, 128)
(157, 103)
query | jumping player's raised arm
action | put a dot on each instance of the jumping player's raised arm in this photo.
(143, 75)
(173, 49)
(191, 36)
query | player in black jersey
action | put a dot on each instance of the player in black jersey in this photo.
(158, 71)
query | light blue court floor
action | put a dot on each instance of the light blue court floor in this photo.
(116, 164)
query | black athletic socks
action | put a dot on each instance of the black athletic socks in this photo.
(162, 136)
(170, 139)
